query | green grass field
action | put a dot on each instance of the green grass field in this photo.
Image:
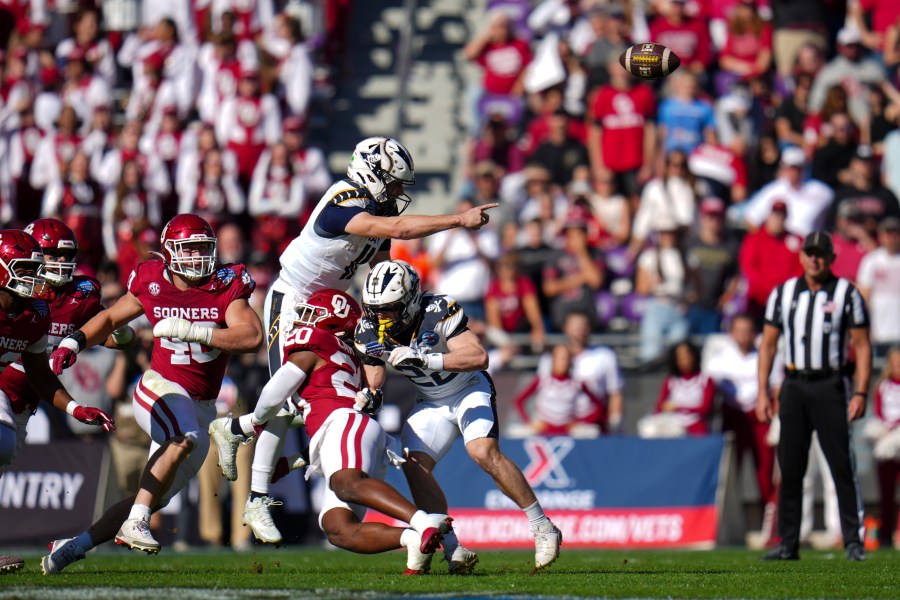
(337, 574)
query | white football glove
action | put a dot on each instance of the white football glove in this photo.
(404, 356)
(184, 330)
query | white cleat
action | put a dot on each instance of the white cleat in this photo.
(462, 561)
(432, 530)
(135, 533)
(417, 562)
(62, 554)
(547, 541)
(227, 444)
(258, 517)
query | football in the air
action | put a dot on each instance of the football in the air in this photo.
(649, 61)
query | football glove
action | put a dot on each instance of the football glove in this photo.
(184, 330)
(369, 401)
(94, 416)
(404, 356)
(64, 356)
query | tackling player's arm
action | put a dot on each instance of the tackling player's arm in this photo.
(285, 382)
(48, 387)
(464, 354)
(408, 227)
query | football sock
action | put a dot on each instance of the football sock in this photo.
(450, 542)
(140, 511)
(84, 541)
(235, 427)
(260, 476)
(536, 516)
(419, 521)
(254, 495)
(409, 536)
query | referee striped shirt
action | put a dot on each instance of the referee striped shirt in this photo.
(815, 325)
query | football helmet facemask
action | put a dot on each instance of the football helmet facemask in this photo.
(60, 247)
(331, 310)
(21, 264)
(391, 297)
(189, 247)
(383, 165)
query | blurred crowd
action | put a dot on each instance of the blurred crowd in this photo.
(668, 207)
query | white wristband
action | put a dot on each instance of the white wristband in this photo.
(434, 361)
(70, 344)
(71, 406)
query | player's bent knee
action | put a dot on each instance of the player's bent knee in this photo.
(484, 452)
(181, 446)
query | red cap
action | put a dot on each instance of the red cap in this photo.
(26, 26)
(779, 206)
(76, 54)
(712, 206)
(294, 123)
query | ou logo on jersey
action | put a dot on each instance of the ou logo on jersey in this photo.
(546, 466)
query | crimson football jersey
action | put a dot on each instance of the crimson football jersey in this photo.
(330, 387)
(71, 306)
(199, 369)
(23, 332)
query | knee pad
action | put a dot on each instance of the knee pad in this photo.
(7, 444)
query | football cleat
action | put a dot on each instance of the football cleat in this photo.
(462, 561)
(417, 562)
(432, 531)
(62, 554)
(227, 444)
(546, 546)
(258, 517)
(8, 564)
(135, 533)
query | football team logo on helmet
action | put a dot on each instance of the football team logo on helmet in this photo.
(189, 247)
(21, 264)
(331, 310)
(59, 245)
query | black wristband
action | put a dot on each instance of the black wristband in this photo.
(80, 339)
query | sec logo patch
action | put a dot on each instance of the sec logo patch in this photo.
(154, 289)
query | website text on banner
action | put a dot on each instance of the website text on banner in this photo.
(605, 493)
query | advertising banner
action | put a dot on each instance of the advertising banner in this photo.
(51, 491)
(603, 493)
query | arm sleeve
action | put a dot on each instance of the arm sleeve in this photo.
(283, 383)
(333, 219)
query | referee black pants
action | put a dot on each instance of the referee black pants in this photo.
(820, 406)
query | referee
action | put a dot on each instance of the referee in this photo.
(819, 315)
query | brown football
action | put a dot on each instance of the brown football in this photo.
(649, 61)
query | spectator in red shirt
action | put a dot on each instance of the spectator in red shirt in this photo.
(511, 303)
(496, 144)
(685, 36)
(768, 257)
(883, 14)
(502, 55)
(851, 241)
(622, 131)
(748, 48)
(545, 105)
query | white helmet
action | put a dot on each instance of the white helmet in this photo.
(392, 286)
(376, 162)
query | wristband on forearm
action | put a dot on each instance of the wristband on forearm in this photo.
(71, 406)
(79, 338)
(434, 361)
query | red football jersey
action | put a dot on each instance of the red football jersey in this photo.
(71, 306)
(199, 369)
(330, 387)
(26, 331)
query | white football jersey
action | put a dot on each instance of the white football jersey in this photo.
(440, 316)
(316, 259)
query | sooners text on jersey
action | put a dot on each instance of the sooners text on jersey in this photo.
(71, 306)
(22, 332)
(330, 387)
(197, 368)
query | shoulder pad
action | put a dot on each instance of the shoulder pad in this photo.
(354, 191)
